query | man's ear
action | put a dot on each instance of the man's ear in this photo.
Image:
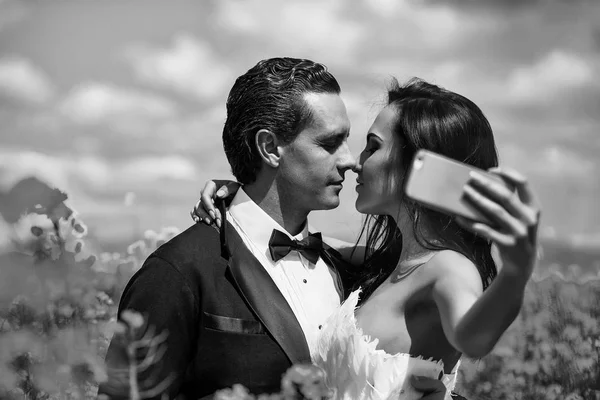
(267, 144)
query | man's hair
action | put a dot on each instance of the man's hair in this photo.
(270, 96)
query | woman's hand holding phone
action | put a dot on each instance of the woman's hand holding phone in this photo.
(497, 204)
(515, 214)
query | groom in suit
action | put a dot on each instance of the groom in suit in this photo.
(244, 301)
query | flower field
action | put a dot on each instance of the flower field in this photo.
(58, 300)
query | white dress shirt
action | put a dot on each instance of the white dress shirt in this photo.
(310, 289)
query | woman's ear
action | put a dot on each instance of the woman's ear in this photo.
(267, 144)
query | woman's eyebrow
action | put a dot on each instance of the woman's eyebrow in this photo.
(372, 135)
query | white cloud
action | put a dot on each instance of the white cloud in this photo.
(385, 8)
(200, 133)
(449, 73)
(93, 103)
(314, 29)
(148, 169)
(78, 172)
(555, 162)
(238, 16)
(190, 66)
(557, 72)
(550, 162)
(64, 172)
(21, 79)
(429, 22)
(424, 27)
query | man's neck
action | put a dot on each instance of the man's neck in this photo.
(290, 217)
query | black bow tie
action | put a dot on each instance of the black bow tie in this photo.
(310, 247)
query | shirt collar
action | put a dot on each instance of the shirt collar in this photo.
(255, 222)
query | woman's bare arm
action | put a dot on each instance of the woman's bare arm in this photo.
(473, 320)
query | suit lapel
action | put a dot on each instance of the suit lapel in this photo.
(265, 299)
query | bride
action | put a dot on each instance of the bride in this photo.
(425, 288)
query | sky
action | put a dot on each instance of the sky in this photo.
(121, 103)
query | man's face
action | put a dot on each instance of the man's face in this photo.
(312, 166)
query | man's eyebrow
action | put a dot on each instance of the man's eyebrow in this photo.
(342, 134)
(335, 135)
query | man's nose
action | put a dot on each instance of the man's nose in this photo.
(347, 160)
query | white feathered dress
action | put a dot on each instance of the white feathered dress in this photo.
(357, 370)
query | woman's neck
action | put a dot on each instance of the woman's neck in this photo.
(412, 249)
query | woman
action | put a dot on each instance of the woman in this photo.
(427, 288)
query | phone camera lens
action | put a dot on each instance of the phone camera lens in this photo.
(418, 163)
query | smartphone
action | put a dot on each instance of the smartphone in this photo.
(437, 182)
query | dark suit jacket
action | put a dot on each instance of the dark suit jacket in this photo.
(227, 321)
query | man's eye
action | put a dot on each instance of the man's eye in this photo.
(330, 145)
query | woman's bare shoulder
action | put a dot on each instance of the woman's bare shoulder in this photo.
(452, 266)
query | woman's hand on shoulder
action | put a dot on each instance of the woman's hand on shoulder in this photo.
(204, 210)
(516, 217)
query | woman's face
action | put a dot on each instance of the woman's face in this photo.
(379, 168)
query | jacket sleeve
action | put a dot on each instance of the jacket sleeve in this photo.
(169, 303)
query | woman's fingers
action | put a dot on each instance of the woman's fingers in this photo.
(198, 214)
(205, 209)
(526, 194)
(194, 216)
(206, 197)
(514, 213)
(218, 217)
(502, 195)
(503, 239)
(223, 191)
(496, 212)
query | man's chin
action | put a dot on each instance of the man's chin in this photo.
(328, 204)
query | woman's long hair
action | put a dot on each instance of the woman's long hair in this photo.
(438, 120)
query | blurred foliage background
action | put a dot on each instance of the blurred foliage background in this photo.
(59, 295)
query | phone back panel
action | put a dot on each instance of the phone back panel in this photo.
(438, 182)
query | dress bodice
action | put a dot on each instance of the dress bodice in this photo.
(357, 370)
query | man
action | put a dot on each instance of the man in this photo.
(243, 303)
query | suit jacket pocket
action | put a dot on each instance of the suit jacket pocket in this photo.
(234, 325)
